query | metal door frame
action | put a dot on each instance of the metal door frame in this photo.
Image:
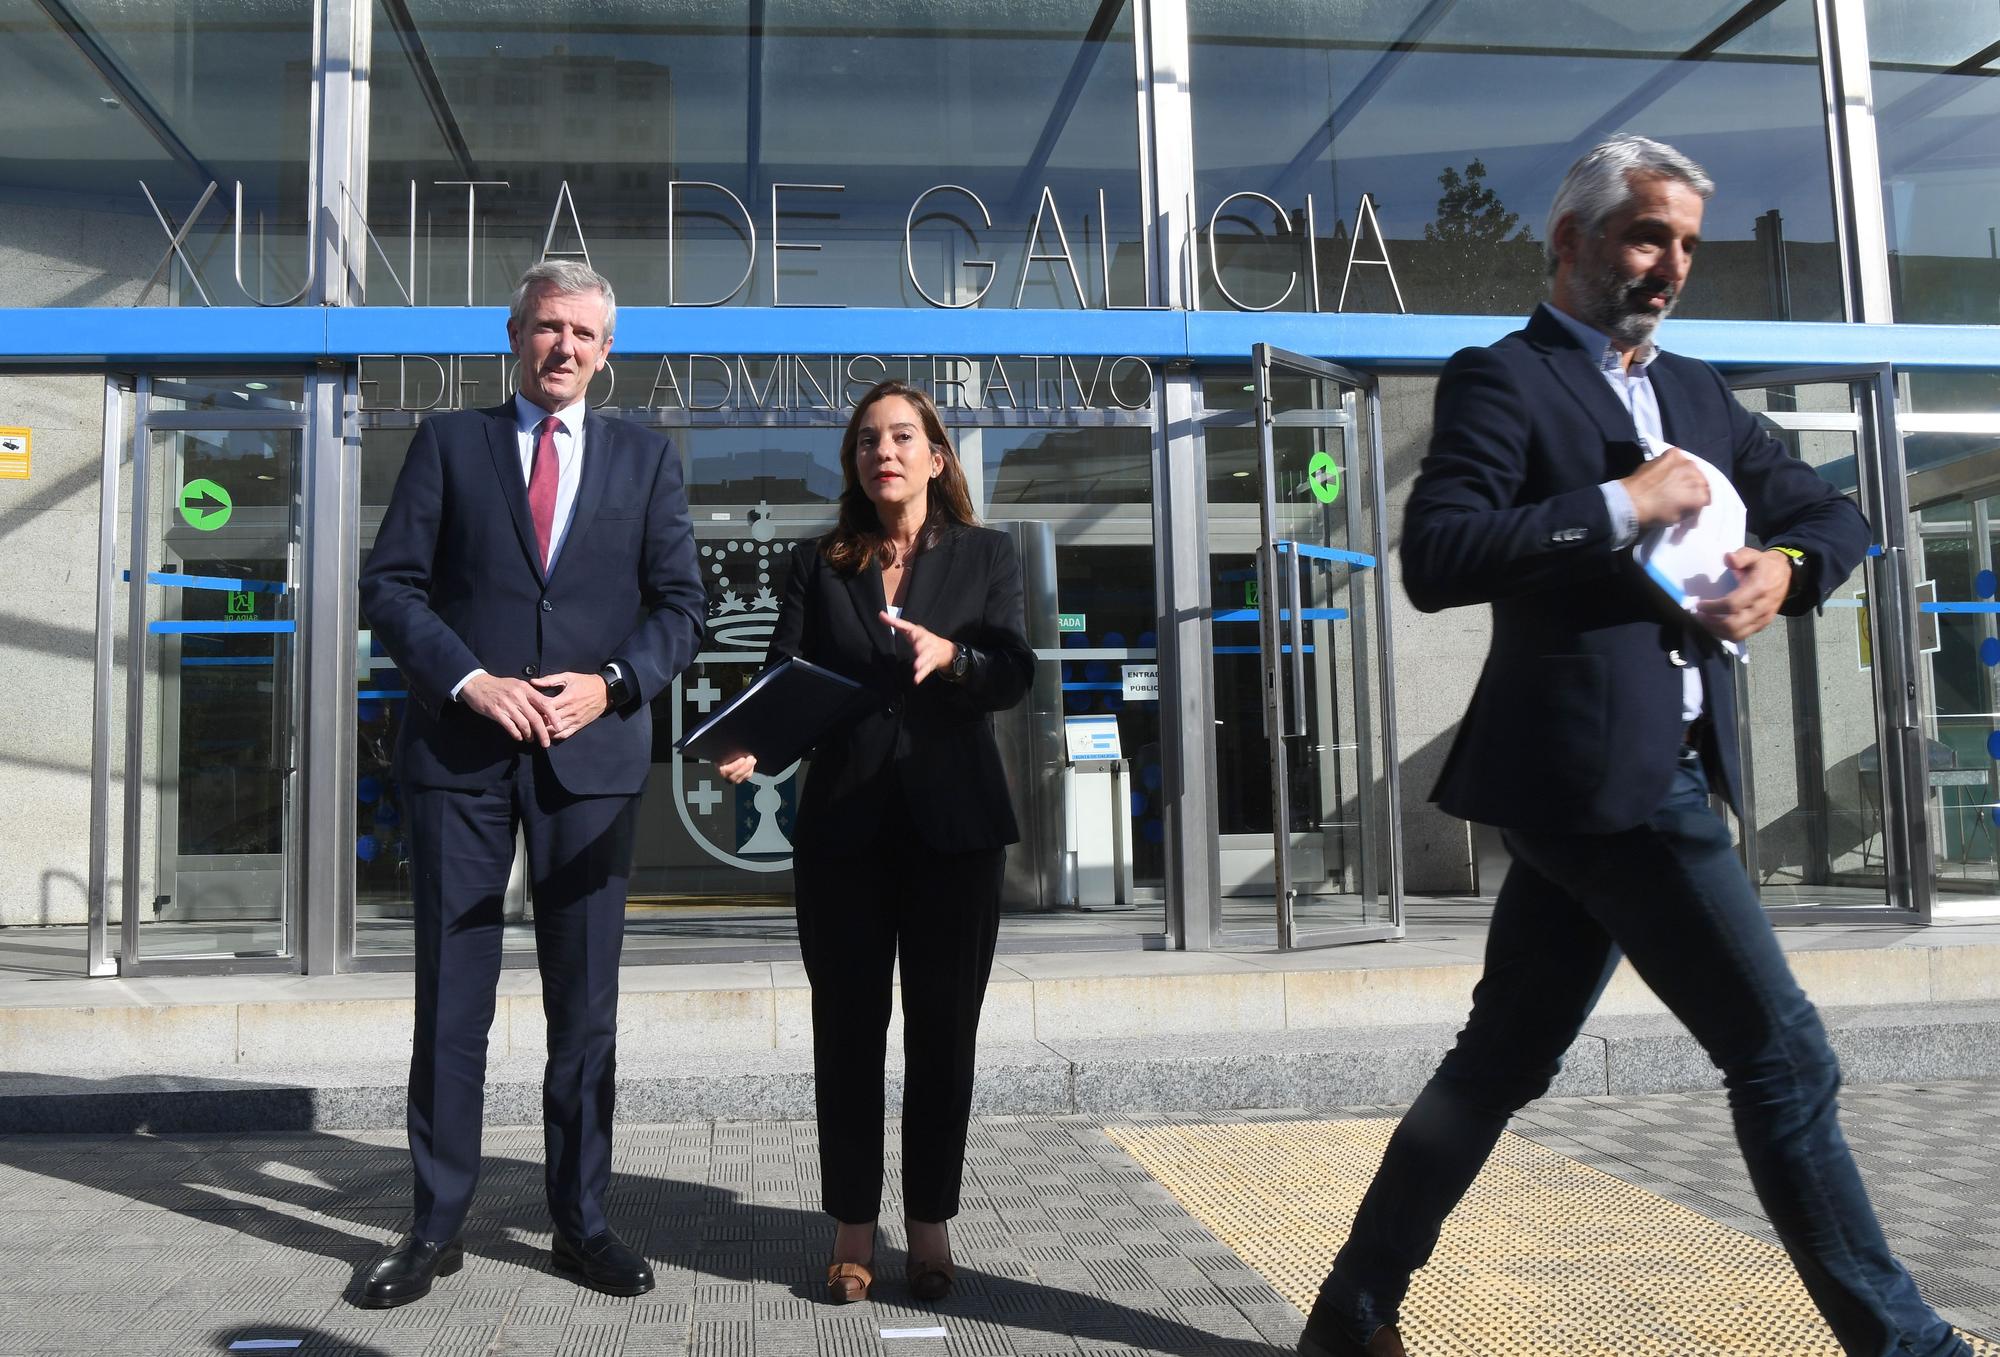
(1910, 886)
(100, 959)
(1388, 877)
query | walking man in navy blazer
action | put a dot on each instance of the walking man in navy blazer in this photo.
(1597, 731)
(534, 579)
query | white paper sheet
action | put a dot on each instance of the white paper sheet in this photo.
(1688, 560)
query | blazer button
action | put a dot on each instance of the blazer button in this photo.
(529, 671)
(896, 706)
(547, 606)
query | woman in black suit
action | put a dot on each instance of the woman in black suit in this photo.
(904, 818)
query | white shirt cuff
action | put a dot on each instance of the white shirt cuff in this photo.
(1624, 519)
(462, 682)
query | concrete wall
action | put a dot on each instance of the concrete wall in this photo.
(48, 619)
(1437, 662)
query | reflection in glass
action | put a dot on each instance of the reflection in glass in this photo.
(232, 99)
(1459, 129)
(1937, 118)
(734, 100)
(712, 864)
(1957, 544)
(1068, 466)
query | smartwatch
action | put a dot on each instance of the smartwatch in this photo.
(614, 685)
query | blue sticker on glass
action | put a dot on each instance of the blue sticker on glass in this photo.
(1989, 651)
(1993, 744)
(1983, 584)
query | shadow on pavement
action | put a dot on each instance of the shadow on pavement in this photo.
(347, 1200)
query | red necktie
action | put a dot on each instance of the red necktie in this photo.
(542, 485)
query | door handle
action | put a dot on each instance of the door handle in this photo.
(1295, 716)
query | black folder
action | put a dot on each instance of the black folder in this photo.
(777, 718)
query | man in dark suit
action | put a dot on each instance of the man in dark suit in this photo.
(1597, 731)
(534, 579)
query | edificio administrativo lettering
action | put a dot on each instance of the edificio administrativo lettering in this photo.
(772, 382)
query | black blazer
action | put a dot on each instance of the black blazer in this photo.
(1575, 723)
(935, 740)
(455, 583)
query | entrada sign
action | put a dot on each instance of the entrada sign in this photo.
(1047, 243)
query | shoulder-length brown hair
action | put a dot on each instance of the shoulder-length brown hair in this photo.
(857, 540)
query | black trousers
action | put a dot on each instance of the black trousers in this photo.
(579, 859)
(940, 912)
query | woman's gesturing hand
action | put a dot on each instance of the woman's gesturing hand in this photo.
(738, 769)
(933, 651)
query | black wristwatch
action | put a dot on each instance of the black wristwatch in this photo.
(614, 685)
(961, 663)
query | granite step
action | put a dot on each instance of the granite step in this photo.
(1304, 1068)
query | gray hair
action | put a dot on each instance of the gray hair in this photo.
(1601, 182)
(569, 278)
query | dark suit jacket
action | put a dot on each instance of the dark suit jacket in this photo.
(935, 739)
(1576, 720)
(455, 583)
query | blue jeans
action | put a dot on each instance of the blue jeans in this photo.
(1671, 895)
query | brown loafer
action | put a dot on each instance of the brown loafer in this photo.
(846, 1282)
(930, 1278)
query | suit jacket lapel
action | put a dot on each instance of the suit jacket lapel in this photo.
(597, 454)
(927, 582)
(864, 588)
(500, 441)
(1577, 371)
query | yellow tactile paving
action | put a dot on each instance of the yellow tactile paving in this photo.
(1545, 1255)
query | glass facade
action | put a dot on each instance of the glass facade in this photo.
(1936, 74)
(1331, 136)
(155, 134)
(1071, 222)
(760, 154)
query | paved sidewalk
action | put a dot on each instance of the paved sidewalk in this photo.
(148, 1245)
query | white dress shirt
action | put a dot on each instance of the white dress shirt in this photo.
(528, 417)
(1633, 384)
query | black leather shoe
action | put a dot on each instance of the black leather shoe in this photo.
(406, 1274)
(603, 1262)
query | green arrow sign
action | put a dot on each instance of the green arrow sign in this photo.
(1070, 622)
(1323, 477)
(205, 505)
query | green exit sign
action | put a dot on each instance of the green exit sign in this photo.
(1066, 622)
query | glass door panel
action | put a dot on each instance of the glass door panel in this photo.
(1320, 611)
(212, 710)
(1821, 817)
(1956, 500)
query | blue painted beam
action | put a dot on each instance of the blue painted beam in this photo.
(303, 334)
(1369, 340)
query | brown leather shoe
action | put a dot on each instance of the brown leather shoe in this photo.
(1384, 1342)
(930, 1278)
(846, 1282)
